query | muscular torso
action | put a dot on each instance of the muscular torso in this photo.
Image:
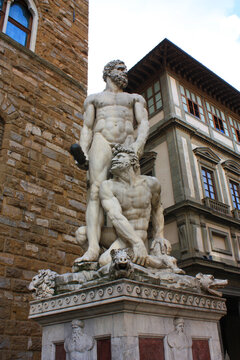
(135, 202)
(114, 116)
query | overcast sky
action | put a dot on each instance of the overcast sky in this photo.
(208, 30)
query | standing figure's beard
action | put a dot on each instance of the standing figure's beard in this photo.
(118, 167)
(120, 80)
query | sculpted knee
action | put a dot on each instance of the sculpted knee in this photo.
(94, 191)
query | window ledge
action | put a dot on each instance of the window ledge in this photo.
(217, 206)
(197, 118)
(155, 113)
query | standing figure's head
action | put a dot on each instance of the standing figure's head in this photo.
(116, 70)
(77, 325)
(179, 324)
(123, 158)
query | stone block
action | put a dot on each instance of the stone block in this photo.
(20, 285)
(13, 246)
(12, 272)
(4, 342)
(5, 283)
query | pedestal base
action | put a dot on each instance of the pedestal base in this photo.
(131, 320)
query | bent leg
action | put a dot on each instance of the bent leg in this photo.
(100, 156)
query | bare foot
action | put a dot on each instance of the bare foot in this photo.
(90, 255)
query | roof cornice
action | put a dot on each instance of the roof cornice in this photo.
(168, 56)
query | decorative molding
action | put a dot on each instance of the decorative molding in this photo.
(225, 237)
(123, 290)
(217, 206)
(231, 166)
(147, 162)
(33, 10)
(207, 154)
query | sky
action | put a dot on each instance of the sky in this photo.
(208, 30)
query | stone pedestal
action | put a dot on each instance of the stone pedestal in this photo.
(130, 316)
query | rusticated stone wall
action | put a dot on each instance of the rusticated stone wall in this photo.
(42, 193)
(62, 35)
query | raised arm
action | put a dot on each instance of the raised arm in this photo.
(88, 122)
(122, 226)
(141, 117)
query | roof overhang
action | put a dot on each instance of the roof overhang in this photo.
(167, 56)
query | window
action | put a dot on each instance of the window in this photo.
(192, 103)
(19, 23)
(18, 20)
(147, 163)
(2, 12)
(235, 193)
(217, 119)
(208, 183)
(235, 127)
(153, 98)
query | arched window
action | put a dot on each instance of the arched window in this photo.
(18, 19)
(19, 23)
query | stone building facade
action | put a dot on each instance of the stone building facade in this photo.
(194, 150)
(42, 194)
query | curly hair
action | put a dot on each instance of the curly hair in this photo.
(118, 148)
(109, 67)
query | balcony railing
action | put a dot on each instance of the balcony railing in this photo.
(236, 213)
(217, 206)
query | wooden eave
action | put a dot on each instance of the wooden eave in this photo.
(167, 56)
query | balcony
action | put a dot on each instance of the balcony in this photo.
(236, 213)
(217, 206)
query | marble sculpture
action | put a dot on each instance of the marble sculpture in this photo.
(108, 120)
(110, 148)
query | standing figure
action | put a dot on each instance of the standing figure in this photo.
(179, 343)
(109, 119)
(78, 344)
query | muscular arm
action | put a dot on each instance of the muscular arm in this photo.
(122, 226)
(159, 242)
(157, 209)
(88, 122)
(141, 117)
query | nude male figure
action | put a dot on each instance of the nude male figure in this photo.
(108, 120)
(129, 199)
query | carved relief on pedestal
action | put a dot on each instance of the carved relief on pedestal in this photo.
(78, 345)
(178, 344)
